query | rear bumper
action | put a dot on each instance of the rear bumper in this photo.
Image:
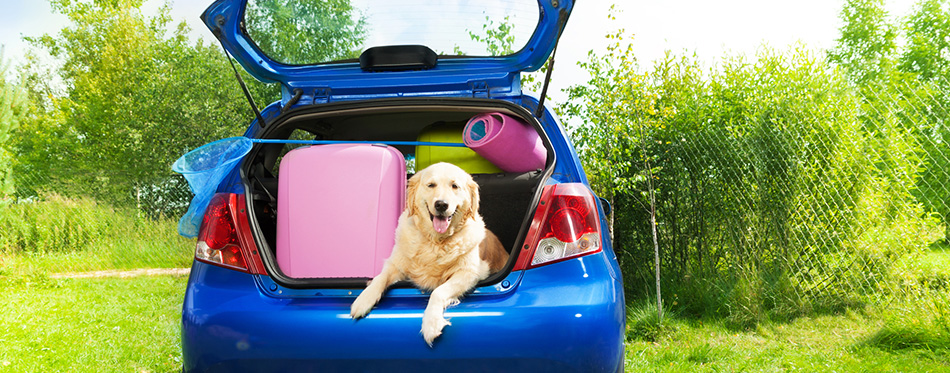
(567, 316)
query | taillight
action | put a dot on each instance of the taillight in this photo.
(566, 225)
(224, 238)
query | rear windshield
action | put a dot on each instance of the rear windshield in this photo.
(305, 32)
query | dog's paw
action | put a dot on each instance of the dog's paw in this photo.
(361, 306)
(432, 327)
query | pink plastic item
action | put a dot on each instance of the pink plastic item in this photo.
(337, 208)
(508, 142)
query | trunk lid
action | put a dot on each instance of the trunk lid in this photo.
(347, 49)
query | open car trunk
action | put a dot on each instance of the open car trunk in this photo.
(508, 199)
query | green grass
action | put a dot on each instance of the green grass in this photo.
(934, 265)
(90, 325)
(131, 325)
(930, 269)
(909, 332)
(117, 253)
(918, 316)
(843, 343)
(57, 234)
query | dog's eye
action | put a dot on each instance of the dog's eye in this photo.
(431, 185)
(455, 186)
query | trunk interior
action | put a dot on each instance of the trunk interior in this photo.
(508, 199)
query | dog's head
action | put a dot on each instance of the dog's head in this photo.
(443, 195)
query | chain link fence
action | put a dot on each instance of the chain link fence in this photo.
(55, 223)
(795, 210)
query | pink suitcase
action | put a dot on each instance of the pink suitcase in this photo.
(337, 208)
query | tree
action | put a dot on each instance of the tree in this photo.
(12, 110)
(927, 51)
(926, 56)
(305, 32)
(867, 44)
(138, 94)
(904, 89)
(500, 41)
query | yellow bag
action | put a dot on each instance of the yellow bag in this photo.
(462, 157)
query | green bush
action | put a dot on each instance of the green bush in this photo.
(58, 234)
(54, 224)
(775, 192)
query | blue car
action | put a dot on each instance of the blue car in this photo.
(411, 75)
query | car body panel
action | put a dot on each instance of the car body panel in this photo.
(234, 326)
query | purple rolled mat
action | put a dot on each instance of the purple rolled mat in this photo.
(508, 142)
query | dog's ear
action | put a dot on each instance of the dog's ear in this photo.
(473, 196)
(411, 189)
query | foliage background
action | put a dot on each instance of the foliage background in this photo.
(801, 197)
(786, 184)
(87, 140)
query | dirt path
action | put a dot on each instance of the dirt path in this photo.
(126, 273)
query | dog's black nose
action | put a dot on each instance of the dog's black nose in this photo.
(441, 206)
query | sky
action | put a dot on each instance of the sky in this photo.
(706, 27)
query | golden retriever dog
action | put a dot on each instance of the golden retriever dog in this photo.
(441, 245)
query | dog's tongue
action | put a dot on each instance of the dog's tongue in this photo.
(440, 224)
